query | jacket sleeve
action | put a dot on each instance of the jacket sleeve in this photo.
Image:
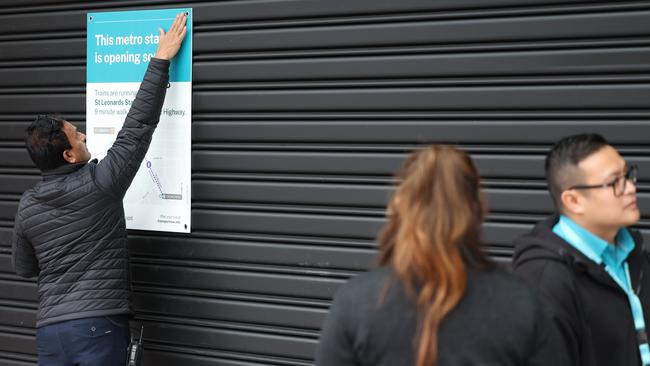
(553, 283)
(336, 346)
(116, 171)
(23, 258)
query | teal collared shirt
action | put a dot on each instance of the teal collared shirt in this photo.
(597, 249)
(614, 258)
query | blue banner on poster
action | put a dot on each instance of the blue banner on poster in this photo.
(120, 45)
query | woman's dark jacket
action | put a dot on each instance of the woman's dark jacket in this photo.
(498, 322)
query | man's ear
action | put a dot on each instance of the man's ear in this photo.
(572, 202)
(68, 155)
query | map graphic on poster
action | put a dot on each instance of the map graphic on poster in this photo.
(119, 47)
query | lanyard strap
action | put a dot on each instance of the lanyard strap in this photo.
(637, 312)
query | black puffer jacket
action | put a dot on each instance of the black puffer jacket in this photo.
(70, 228)
(588, 307)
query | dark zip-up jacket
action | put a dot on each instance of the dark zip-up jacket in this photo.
(70, 229)
(498, 322)
(590, 310)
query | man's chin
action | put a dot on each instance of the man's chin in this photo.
(632, 218)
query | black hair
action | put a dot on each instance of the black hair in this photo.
(46, 141)
(563, 159)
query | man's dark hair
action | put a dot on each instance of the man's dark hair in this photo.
(562, 162)
(46, 141)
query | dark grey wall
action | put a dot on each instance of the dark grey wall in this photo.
(302, 111)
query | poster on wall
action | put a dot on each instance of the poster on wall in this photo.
(119, 47)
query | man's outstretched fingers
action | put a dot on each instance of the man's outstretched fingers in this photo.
(171, 41)
(178, 23)
(174, 25)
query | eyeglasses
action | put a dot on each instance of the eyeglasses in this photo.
(618, 184)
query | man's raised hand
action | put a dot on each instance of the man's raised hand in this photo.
(170, 42)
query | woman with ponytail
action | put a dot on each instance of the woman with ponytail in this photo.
(436, 299)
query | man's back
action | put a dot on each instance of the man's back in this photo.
(79, 239)
(70, 228)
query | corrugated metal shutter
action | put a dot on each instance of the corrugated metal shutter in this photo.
(302, 111)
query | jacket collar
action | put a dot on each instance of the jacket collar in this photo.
(594, 247)
(550, 241)
(542, 242)
(64, 170)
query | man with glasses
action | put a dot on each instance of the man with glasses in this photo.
(587, 266)
(70, 228)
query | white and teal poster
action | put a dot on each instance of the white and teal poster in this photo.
(119, 47)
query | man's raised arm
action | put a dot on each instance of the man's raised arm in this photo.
(116, 171)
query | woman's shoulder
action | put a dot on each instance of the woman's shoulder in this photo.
(367, 289)
(498, 278)
(493, 280)
(368, 282)
(502, 288)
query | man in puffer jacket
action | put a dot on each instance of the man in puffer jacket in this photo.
(70, 229)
